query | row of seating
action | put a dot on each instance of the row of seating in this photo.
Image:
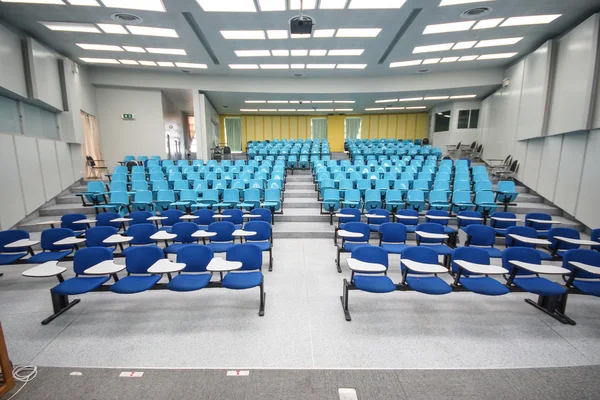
(288, 148)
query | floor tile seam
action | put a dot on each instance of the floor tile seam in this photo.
(57, 335)
(565, 339)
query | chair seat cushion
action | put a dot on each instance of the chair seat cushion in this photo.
(492, 251)
(189, 282)
(588, 287)
(238, 226)
(242, 280)
(428, 285)
(45, 256)
(484, 285)
(540, 286)
(449, 231)
(11, 258)
(410, 228)
(500, 231)
(135, 284)
(544, 255)
(394, 248)
(220, 247)
(542, 234)
(80, 285)
(374, 283)
(441, 249)
(374, 227)
(349, 246)
(175, 247)
(264, 246)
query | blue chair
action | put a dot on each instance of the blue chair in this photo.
(438, 200)
(68, 221)
(224, 239)
(474, 281)
(9, 255)
(409, 218)
(94, 237)
(595, 236)
(194, 276)
(415, 200)
(526, 232)
(423, 282)
(164, 199)
(331, 202)
(461, 201)
(209, 198)
(50, 251)
(354, 216)
(558, 247)
(104, 219)
(118, 201)
(141, 235)
(392, 237)
(139, 217)
(484, 238)
(440, 217)
(352, 199)
(263, 238)
(95, 194)
(506, 193)
(484, 203)
(394, 200)
(237, 217)
(500, 226)
(541, 227)
(466, 218)
(265, 214)
(173, 217)
(81, 283)
(188, 199)
(250, 274)
(372, 200)
(375, 223)
(205, 218)
(142, 201)
(184, 231)
(272, 200)
(435, 244)
(231, 198)
(587, 282)
(137, 262)
(350, 243)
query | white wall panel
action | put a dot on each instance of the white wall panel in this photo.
(519, 154)
(65, 166)
(551, 158)
(11, 63)
(45, 75)
(11, 195)
(589, 192)
(532, 162)
(50, 171)
(596, 119)
(569, 173)
(30, 173)
(536, 75)
(572, 89)
(77, 160)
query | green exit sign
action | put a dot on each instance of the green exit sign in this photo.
(128, 116)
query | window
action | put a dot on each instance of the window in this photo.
(318, 128)
(468, 119)
(233, 133)
(39, 122)
(352, 127)
(442, 121)
(9, 116)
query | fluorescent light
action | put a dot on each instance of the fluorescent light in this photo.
(436, 98)
(175, 52)
(150, 31)
(148, 5)
(360, 32)
(255, 102)
(134, 49)
(351, 66)
(306, 4)
(343, 109)
(488, 23)
(191, 65)
(274, 66)
(322, 101)
(280, 53)
(248, 109)
(253, 53)
(530, 20)
(387, 101)
(277, 101)
(86, 3)
(129, 62)
(53, 2)
(99, 60)
(227, 5)
(499, 42)
(464, 96)
(450, 27)
(318, 53)
(243, 35)
(455, 2)
(496, 56)
(297, 66)
(71, 27)
(411, 99)
(394, 108)
(275, 34)
(297, 53)
(298, 101)
(464, 45)
(347, 52)
(416, 108)
(449, 59)
(375, 4)
(374, 109)
(165, 64)
(305, 110)
(267, 109)
(344, 101)
(148, 63)
(300, 35)
(467, 58)
(324, 110)
(271, 5)
(432, 48)
(286, 109)
(243, 66)
(320, 66)
(431, 61)
(100, 47)
(405, 63)
(114, 29)
(332, 4)
(324, 33)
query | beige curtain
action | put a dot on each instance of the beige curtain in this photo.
(91, 145)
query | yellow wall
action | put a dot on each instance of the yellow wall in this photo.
(374, 126)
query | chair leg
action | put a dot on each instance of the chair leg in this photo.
(270, 259)
(263, 299)
(335, 236)
(60, 304)
(337, 263)
(344, 299)
(554, 306)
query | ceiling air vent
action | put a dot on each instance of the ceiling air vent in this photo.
(127, 18)
(476, 12)
(423, 71)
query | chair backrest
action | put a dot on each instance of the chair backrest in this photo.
(143, 196)
(392, 232)
(460, 196)
(538, 226)
(236, 216)
(119, 198)
(419, 254)
(524, 254)
(462, 186)
(415, 196)
(252, 195)
(184, 231)
(88, 257)
(521, 231)
(224, 230)
(437, 213)
(359, 227)
(49, 236)
(480, 235)
(196, 257)
(139, 185)
(160, 185)
(210, 195)
(94, 236)
(172, 217)
(265, 214)
(507, 186)
(409, 213)
(430, 227)
(103, 219)
(141, 233)
(371, 254)
(188, 195)
(67, 221)
(438, 196)
(595, 236)
(205, 217)
(11, 236)
(273, 195)
(466, 222)
(248, 254)
(484, 196)
(96, 187)
(589, 257)
(262, 229)
(139, 217)
(355, 212)
(139, 259)
(483, 185)
(469, 254)
(563, 232)
(379, 221)
(166, 195)
(502, 224)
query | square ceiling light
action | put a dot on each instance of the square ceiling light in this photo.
(243, 66)
(165, 64)
(351, 66)
(432, 48)
(467, 58)
(318, 53)
(306, 4)
(386, 101)
(376, 4)
(274, 66)
(332, 4)
(323, 33)
(271, 5)
(358, 32)
(299, 53)
(134, 49)
(449, 27)
(53, 2)
(499, 42)
(148, 63)
(175, 52)
(243, 35)
(85, 3)
(71, 27)
(151, 31)
(129, 62)
(147, 5)
(320, 66)
(456, 2)
(253, 53)
(464, 96)
(280, 53)
(449, 59)
(405, 63)
(113, 29)
(99, 60)
(227, 5)
(530, 20)
(99, 47)
(431, 61)
(347, 52)
(464, 45)
(297, 66)
(191, 65)
(488, 23)
(277, 34)
(496, 56)
(411, 99)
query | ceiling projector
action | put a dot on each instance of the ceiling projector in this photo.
(301, 25)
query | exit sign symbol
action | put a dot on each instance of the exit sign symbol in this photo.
(128, 116)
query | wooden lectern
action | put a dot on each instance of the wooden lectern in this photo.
(7, 382)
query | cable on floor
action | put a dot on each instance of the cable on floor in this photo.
(25, 374)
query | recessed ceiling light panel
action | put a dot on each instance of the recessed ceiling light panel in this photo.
(464, 96)
(227, 5)
(351, 66)
(431, 61)
(299, 53)
(405, 63)
(318, 53)
(147, 5)
(433, 48)
(71, 27)
(324, 33)
(52, 2)
(113, 29)
(416, 108)
(148, 63)
(151, 31)
(165, 64)
(411, 99)
(243, 66)
(275, 34)
(449, 59)
(253, 53)
(271, 5)
(332, 4)
(248, 109)
(530, 20)
(436, 98)
(346, 52)
(297, 66)
(496, 56)
(456, 2)
(99, 60)
(243, 35)
(499, 42)
(467, 58)
(176, 52)
(376, 4)
(280, 53)
(374, 109)
(387, 101)
(274, 66)
(128, 62)
(134, 49)
(464, 45)
(360, 32)
(488, 23)
(449, 27)
(191, 65)
(99, 47)
(320, 66)
(85, 3)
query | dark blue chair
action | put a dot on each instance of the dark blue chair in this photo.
(51, 252)
(484, 238)
(355, 217)
(501, 226)
(250, 275)
(557, 247)
(475, 282)
(67, 221)
(540, 227)
(444, 218)
(526, 232)
(525, 279)
(205, 218)
(411, 221)
(236, 217)
(434, 244)
(372, 282)
(84, 259)
(265, 214)
(173, 217)
(349, 244)
(375, 223)
(392, 237)
(472, 218)
(139, 217)
(103, 219)
(137, 262)
(184, 231)
(421, 282)
(194, 276)
(94, 237)
(141, 236)
(10, 255)
(263, 238)
(587, 282)
(223, 241)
